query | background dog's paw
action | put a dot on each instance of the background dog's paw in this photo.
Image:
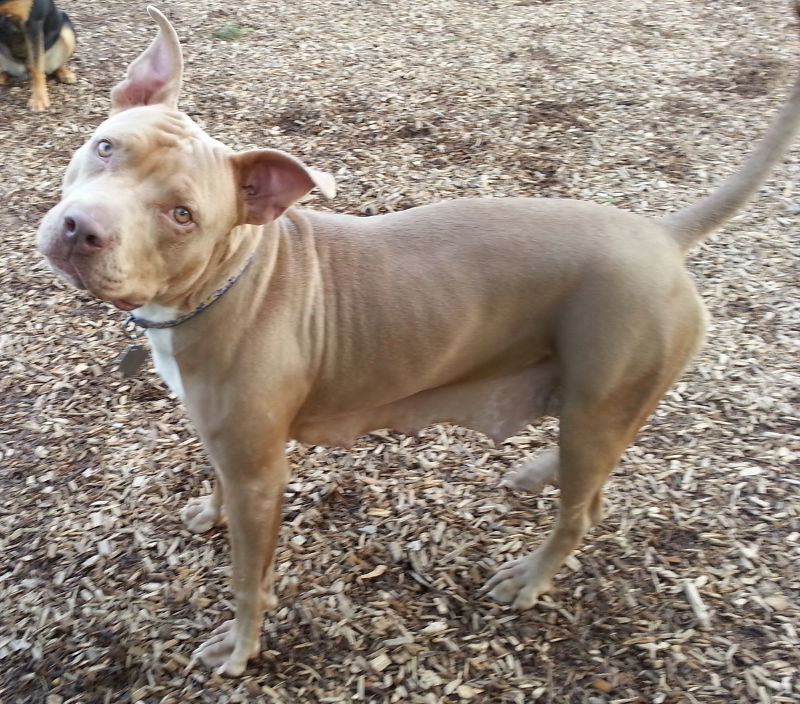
(64, 75)
(201, 514)
(532, 474)
(39, 103)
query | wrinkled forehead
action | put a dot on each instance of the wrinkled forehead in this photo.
(152, 130)
(149, 123)
(164, 148)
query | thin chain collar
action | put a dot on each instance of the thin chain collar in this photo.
(213, 298)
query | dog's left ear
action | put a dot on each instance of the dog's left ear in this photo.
(155, 77)
(269, 181)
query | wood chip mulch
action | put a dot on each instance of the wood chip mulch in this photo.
(687, 592)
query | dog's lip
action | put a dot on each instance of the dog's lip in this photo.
(127, 306)
(66, 268)
(62, 264)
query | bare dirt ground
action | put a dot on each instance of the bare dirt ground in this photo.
(643, 104)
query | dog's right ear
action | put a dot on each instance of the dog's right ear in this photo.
(155, 77)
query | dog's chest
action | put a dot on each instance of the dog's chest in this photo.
(161, 346)
(12, 37)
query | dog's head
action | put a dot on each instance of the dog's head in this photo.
(151, 205)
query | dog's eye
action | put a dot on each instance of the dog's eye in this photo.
(105, 149)
(182, 215)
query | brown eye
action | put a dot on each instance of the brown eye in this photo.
(183, 216)
(105, 149)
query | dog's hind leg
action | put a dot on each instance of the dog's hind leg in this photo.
(57, 56)
(64, 75)
(590, 447)
(606, 397)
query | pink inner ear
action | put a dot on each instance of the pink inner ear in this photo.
(131, 94)
(149, 77)
(146, 77)
(154, 77)
(270, 185)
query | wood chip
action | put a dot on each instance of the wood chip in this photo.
(698, 607)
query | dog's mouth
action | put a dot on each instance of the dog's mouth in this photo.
(126, 305)
(67, 270)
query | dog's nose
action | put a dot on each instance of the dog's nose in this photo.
(86, 233)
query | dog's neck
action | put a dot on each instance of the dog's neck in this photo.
(164, 317)
(206, 289)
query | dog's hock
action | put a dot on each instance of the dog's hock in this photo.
(271, 180)
(155, 77)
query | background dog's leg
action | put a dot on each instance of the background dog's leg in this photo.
(607, 393)
(253, 490)
(34, 38)
(58, 55)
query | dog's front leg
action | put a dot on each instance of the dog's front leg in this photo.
(253, 484)
(34, 40)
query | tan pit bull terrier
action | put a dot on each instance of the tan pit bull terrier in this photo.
(272, 322)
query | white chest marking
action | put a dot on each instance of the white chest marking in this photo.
(164, 360)
(161, 346)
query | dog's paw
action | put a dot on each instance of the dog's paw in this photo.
(519, 583)
(64, 75)
(39, 103)
(220, 653)
(532, 474)
(201, 514)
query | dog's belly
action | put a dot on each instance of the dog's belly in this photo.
(497, 407)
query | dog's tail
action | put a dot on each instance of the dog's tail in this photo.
(691, 224)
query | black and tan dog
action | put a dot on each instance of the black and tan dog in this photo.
(36, 39)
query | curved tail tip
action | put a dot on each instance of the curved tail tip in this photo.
(155, 13)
